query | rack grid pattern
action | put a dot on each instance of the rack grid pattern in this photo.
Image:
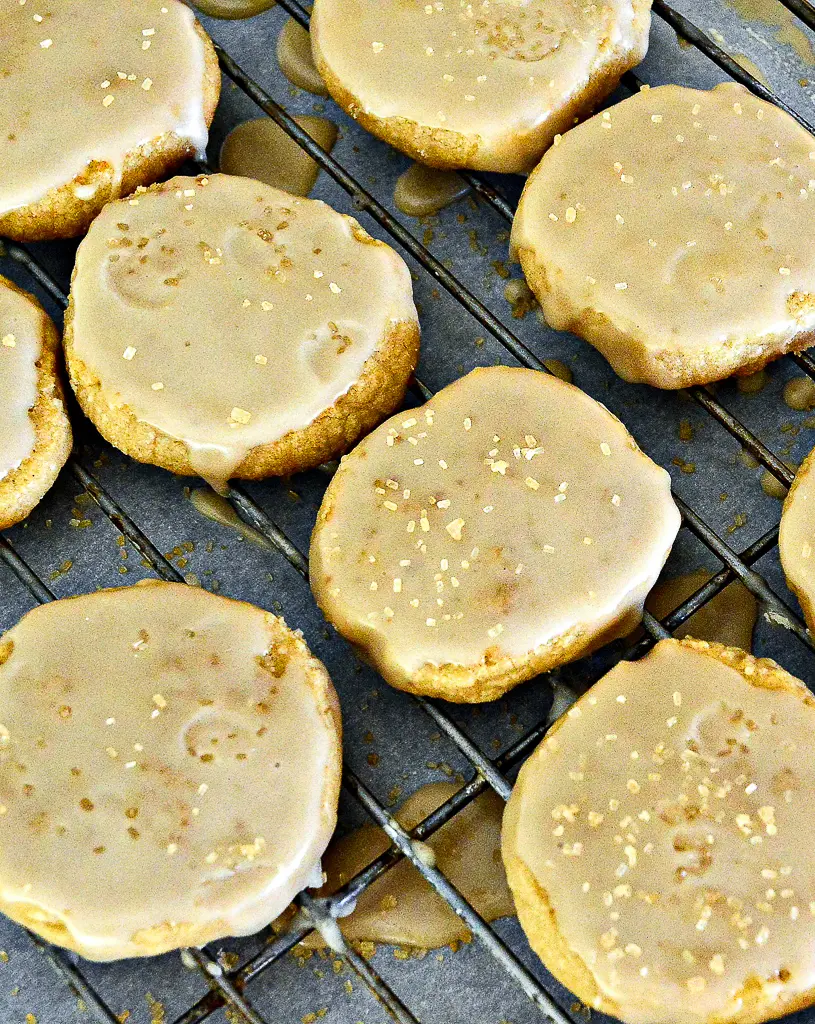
(231, 988)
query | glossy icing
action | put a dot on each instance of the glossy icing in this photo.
(510, 511)
(126, 73)
(169, 768)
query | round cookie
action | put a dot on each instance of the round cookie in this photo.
(35, 435)
(796, 538)
(97, 99)
(169, 769)
(483, 85)
(667, 232)
(508, 526)
(222, 327)
(654, 841)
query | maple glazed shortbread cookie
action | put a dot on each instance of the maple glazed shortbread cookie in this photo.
(506, 527)
(654, 841)
(222, 327)
(97, 99)
(35, 435)
(669, 232)
(169, 769)
(484, 84)
(796, 538)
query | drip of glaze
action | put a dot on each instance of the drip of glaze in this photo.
(215, 464)
(773, 487)
(233, 9)
(729, 618)
(751, 68)
(799, 394)
(296, 60)
(776, 16)
(260, 149)
(421, 191)
(401, 908)
(559, 369)
(752, 383)
(747, 459)
(520, 297)
(218, 510)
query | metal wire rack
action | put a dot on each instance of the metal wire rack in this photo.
(231, 988)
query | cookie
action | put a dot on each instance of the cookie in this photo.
(485, 86)
(654, 841)
(35, 435)
(508, 526)
(169, 769)
(667, 232)
(221, 327)
(796, 538)
(97, 99)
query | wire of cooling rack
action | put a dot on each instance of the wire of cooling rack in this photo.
(803, 10)
(229, 986)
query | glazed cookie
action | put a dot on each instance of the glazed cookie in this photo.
(654, 841)
(35, 435)
(485, 85)
(221, 327)
(508, 526)
(667, 232)
(169, 769)
(97, 99)
(796, 538)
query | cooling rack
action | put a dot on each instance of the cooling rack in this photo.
(252, 980)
